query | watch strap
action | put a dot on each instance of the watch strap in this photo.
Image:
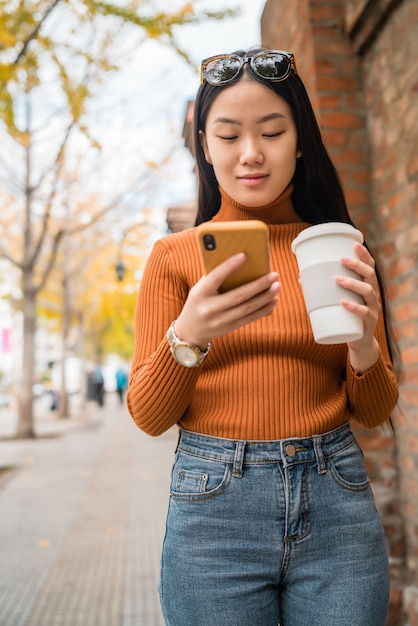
(174, 342)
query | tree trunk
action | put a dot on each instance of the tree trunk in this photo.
(63, 407)
(83, 358)
(25, 427)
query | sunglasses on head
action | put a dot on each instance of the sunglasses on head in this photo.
(273, 65)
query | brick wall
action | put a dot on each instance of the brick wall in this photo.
(359, 60)
(390, 84)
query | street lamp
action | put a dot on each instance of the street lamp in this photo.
(120, 270)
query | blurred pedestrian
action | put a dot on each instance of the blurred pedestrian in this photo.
(121, 383)
(98, 383)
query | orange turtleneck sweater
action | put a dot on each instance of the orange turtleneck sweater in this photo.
(267, 380)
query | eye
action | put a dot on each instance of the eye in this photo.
(273, 134)
(227, 137)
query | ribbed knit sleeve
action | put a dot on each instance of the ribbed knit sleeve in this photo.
(160, 388)
(373, 394)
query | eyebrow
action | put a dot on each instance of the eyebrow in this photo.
(262, 120)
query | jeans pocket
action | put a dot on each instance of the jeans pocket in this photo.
(348, 469)
(196, 478)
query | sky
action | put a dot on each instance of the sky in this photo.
(149, 97)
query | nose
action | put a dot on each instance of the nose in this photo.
(251, 153)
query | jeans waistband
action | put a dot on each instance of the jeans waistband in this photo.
(289, 451)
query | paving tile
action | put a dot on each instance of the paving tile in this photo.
(82, 524)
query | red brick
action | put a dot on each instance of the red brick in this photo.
(387, 249)
(411, 375)
(407, 464)
(350, 157)
(395, 610)
(395, 222)
(412, 610)
(410, 357)
(412, 167)
(405, 312)
(409, 331)
(334, 139)
(357, 196)
(401, 290)
(325, 66)
(362, 177)
(336, 83)
(413, 233)
(412, 441)
(341, 120)
(402, 265)
(329, 102)
(409, 400)
(373, 440)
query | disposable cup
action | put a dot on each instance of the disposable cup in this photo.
(318, 251)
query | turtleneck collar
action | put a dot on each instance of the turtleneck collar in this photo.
(280, 211)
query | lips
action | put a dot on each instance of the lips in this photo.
(252, 180)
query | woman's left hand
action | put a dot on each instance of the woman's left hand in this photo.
(364, 352)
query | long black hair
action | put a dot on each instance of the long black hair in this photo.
(317, 195)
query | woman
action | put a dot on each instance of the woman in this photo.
(271, 516)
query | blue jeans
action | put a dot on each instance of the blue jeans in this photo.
(262, 533)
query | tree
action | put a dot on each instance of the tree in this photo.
(54, 57)
(83, 293)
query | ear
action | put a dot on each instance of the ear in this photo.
(298, 151)
(204, 145)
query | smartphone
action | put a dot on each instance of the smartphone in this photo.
(220, 240)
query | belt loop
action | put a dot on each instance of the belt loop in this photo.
(178, 440)
(238, 459)
(317, 442)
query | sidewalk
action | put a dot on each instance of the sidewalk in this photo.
(82, 521)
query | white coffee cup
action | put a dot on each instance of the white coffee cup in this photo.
(318, 251)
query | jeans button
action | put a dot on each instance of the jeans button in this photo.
(290, 450)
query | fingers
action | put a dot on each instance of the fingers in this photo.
(252, 295)
(367, 287)
(364, 266)
(225, 312)
(219, 274)
(216, 277)
(251, 301)
(208, 314)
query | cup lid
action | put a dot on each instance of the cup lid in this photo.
(329, 228)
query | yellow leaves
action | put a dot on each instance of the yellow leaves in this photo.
(93, 142)
(187, 9)
(75, 92)
(15, 25)
(7, 38)
(28, 45)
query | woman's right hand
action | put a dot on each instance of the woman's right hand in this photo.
(207, 313)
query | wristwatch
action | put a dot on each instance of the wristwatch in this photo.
(185, 353)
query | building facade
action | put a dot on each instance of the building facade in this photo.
(359, 61)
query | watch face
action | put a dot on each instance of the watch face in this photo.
(186, 355)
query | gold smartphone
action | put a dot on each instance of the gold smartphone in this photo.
(220, 240)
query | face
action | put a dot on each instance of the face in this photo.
(250, 139)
